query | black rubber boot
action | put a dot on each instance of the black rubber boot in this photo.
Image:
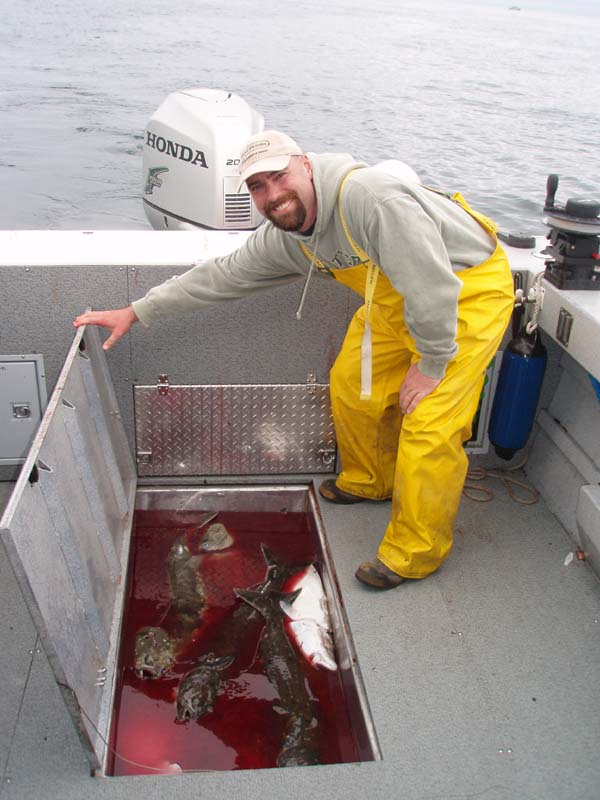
(331, 492)
(377, 575)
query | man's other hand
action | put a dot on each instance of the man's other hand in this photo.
(416, 386)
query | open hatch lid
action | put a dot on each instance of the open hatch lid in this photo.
(66, 531)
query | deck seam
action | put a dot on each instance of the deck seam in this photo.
(5, 776)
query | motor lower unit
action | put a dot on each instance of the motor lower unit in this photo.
(574, 249)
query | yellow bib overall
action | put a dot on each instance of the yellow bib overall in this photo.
(417, 459)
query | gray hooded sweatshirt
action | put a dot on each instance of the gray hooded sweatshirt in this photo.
(420, 239)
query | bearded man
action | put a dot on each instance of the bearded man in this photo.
(406, 384)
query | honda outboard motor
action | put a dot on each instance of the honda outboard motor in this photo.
(192, 146)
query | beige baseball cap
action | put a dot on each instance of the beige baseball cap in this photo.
(267, 151)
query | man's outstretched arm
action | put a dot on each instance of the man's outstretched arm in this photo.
(118, 322)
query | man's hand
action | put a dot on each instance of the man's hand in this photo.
(118, 322)
(416, 386)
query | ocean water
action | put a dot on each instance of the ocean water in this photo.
(474, 97)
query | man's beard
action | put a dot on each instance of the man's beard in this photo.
(293, 219)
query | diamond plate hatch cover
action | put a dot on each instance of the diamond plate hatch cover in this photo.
(234, 429)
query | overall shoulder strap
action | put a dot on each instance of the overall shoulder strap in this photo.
(370, 284)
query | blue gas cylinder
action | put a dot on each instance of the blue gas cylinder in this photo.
(517, 393)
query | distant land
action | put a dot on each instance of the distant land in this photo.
(585, 8)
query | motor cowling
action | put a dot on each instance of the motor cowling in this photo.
(191, 152)
(517, 393)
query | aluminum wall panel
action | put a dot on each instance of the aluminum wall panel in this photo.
(234, 430)
(58, 294)
(22, 403)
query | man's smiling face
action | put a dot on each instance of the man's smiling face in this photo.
(287, 198)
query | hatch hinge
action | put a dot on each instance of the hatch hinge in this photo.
(163, 384)
(101, 675)
(311, 382)
(144, 457)
(327, 455)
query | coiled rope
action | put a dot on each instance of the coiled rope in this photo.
(483, 494)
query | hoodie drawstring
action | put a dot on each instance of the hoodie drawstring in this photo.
(307, 281)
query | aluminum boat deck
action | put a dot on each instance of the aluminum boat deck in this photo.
(482, 679)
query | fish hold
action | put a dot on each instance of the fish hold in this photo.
(187, 590)
(154, 652)
(217, 537)
(199, 688)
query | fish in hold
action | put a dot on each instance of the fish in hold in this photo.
(245, 620)
(187, 589)
(199, 688)
(310, 625)
(277, 572)
(154, 652)
(296, 750)
(217, 537)
(280, 659)
(285, 674)
(156, 649)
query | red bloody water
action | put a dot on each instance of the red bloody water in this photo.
(244, 730)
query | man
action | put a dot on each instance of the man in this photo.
(405, 387)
